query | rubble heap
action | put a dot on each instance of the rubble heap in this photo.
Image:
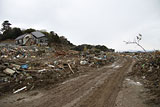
(148, 69)
(30, 67)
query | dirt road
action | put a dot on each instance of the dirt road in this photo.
(93, 89)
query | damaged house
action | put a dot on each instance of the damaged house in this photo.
(32, 38)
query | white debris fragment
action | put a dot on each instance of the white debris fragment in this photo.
(42, 70)
(83, 62)
(51, 66)
(133, 82)
(9, 71)
(20, 89)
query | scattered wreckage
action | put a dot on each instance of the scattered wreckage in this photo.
(29, 67)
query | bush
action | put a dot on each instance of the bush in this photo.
(11, 34)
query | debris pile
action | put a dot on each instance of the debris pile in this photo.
(148, 69)
(29, 67)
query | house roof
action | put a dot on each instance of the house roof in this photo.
(20, 37)
(37, 34)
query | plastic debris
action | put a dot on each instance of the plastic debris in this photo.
(25, 66)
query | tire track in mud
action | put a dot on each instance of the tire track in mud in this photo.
(105, 95)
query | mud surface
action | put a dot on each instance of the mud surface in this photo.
(98, 88)
(132, 93)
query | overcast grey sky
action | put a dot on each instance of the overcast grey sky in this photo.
(106, 22)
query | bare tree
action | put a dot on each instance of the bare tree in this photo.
(136, 41)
